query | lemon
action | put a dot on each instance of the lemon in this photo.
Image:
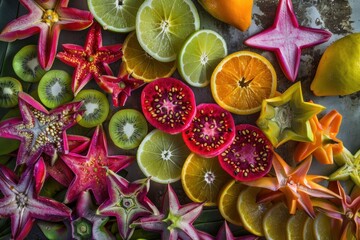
(275, 217)
(338, 72)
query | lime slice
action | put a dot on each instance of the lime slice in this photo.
(161, 156)
(308, 231)
(295, 225)
(323, 228)
(275, 217)
(200, 55)
(115, 15)
(163, 25)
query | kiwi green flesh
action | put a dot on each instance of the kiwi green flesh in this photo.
(9, 89)
(9, 145)
(95, 106)
(26, 65)
(55, 88)
(127, 128)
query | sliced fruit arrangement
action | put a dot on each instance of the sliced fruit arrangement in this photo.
(202, 179)
(273, 218)
(168, 104)
(9, 90)
(55, 88)
(199, 56)
(127, 128)
(95, 106)
(161, 156)
(114, 15)
(163, 25)
(249, 157)
(26, 64)
(241, 81)
(141, 65)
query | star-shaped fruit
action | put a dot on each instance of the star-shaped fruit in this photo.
(350, 167)
(294, 184)
(90, 61)
(47, 18)
(128, 202)
(21, 201)
(39, 130)
(87, 224)
(90, 170)
(175, 221)
(119, 87)
(286, 117)
(325, 144)
(346, 210)
(286, 38)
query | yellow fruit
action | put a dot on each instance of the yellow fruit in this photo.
(237, 13)
(338, 72)
(274, 218)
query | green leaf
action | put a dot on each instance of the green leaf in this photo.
(209, 215)
(51, 188)
(54, 231)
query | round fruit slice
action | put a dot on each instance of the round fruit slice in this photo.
(26, 65)
(308, 231)
(127, 128)
(9, 89)
(323, 227)
(55, 88)
(161, 156)
(141, 65)
(275, 217)
(202, 179)
(96, 107)
(163, 25)
(115, 15)
(228, 201)
(251, 212)
(199, 56)
(249, 157)
(295, 225)
(241, 81)
(168, 104)
(211, 131)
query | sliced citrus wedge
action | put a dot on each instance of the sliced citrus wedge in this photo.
(273, 219)
(241, 81)
(295, 225)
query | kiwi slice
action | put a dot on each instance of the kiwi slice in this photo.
(9, 89)
(127, 128)
(96, 107)
(26, 64)
(55, 88)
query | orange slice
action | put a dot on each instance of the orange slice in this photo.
(228, 202)
(241, 81)
(141, 65)
(203, 178)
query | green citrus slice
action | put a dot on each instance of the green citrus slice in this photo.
(295, 225)
(275, 217)
(163, 25)
(161, 156)
(322, 227)
(200, 55)
(115, 15)
(308, 231)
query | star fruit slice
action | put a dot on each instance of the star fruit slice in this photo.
(47, 18)
(286, 39)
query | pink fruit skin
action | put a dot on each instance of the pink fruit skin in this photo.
(247, 149)
(166, 109)
(201, 131)
(286, 38)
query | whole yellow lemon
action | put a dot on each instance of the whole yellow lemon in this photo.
(338, 72)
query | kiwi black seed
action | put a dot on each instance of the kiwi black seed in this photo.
(96, 107)
(55, 88)
(9, 89)
(127, 128)
(26, 64)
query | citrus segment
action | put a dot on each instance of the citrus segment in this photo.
(202, 179)
(275, 217)
(228, 201)
(163, 25)
(241, 81)
(295, 225)
(251, 212)
(308, 231)
(141, 65)
(115, 15)
(199, 56)
(322, 227)
(161, 156)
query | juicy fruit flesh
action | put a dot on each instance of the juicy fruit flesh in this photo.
(211, 130)
(249, 156)
(168, 104)
(9, 88)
